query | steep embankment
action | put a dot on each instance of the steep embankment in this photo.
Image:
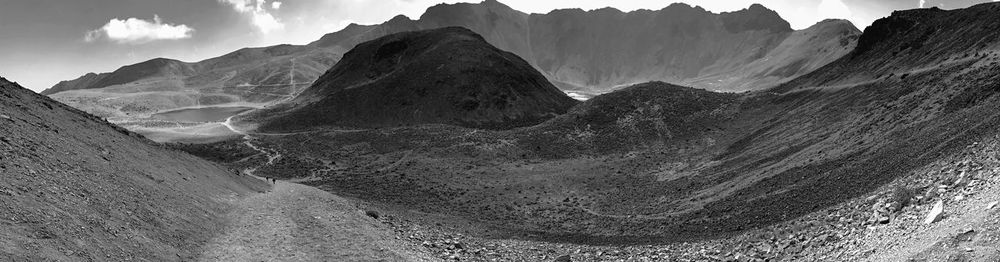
(441, 76)
(77, 188)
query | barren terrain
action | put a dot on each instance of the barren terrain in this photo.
(842, 157)
(841, 163)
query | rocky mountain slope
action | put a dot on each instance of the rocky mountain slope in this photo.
(441, 76)
(77, 188)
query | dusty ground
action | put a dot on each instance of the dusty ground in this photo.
(293, 222)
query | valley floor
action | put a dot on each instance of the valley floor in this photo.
(294, 222)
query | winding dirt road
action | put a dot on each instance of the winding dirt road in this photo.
(294, 222)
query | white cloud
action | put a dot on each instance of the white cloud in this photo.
(259, 16)
(138, 31)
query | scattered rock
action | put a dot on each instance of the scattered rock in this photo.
(962, 180)
(966, 235)
(936, 213)
(372, 214)
(883, 220)
(930, 194)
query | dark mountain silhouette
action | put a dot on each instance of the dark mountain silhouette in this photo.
(159, 67)
(84, 82)
(75, 187)
(440, 76)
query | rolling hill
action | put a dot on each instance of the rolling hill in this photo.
(441, 76)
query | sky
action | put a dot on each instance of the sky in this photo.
(43, 42)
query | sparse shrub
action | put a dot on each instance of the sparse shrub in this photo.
(900, 197)
(372, 213)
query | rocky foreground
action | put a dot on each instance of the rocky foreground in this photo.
(890, 224)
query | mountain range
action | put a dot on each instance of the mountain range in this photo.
(584, 51)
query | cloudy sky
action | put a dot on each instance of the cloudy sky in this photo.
(46, 41)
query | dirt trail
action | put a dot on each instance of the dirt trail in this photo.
(294, 222)
(299, 223)
(248, 140)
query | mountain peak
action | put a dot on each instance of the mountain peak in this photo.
(755, 17)
(399, 18)
(835, 23)
(494, 3)
(448, 75)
